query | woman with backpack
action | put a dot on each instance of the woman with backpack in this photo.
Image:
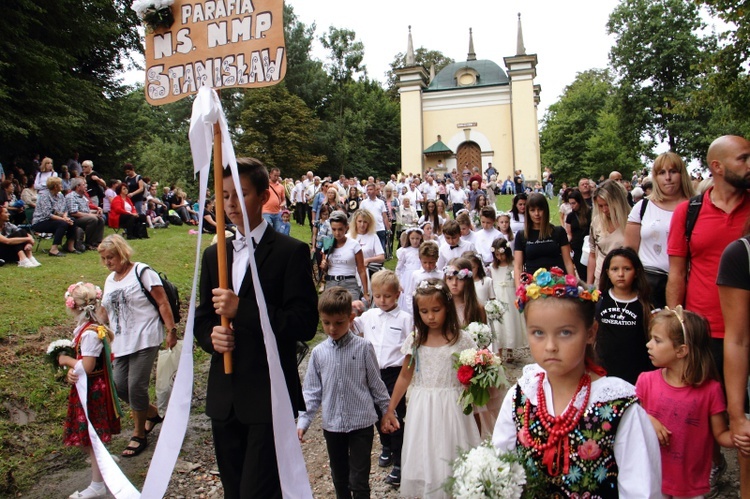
(138, 310)
(648, 222)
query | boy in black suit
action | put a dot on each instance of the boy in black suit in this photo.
(239, 404)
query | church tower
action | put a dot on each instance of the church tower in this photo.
(524, 100)
(412, 79)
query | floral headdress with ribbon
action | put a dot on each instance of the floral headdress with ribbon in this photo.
(451, 271)
(552, 283)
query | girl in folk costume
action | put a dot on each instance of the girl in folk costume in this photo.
(684, 401)
(91, 343)
(512, 333)
(623, 315)
(459, 278)
(438, 426)
(584, 432)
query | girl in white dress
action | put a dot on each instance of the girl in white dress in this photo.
(512, 332)
(437, 427)
(459, 278)
(482, 282)
(408, 253)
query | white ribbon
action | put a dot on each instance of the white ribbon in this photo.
(116, 481)
(293, 476)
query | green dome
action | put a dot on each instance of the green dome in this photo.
(487, 74)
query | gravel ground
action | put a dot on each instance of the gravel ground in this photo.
(196, 474)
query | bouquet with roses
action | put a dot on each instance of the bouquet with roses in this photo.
(477, 371)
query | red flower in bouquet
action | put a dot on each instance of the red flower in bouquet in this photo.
(464, 374)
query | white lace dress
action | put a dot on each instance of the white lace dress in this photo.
(512, 332)
(435, 424)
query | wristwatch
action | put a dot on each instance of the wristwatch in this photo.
(173, 330)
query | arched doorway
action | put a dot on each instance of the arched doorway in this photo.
(469, 153)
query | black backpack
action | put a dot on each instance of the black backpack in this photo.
(173, 296)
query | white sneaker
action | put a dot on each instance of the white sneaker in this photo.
(26, 264)
(35, 262)
(90, 492)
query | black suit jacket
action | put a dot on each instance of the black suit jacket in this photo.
(286, 279)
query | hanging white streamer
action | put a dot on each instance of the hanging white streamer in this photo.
(116, 481)
(293, 476)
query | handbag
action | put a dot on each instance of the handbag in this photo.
(166, 370)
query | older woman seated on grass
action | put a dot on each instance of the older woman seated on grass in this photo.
(51, 215)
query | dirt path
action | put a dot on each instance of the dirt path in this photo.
(196, 475)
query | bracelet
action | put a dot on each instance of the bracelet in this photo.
(173, 330)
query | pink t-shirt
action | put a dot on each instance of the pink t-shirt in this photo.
(713, 232)
(686, 412)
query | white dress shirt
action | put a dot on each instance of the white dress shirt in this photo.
(387, 331)
(241, 257)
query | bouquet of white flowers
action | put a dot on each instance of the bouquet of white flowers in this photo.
(484, 472)
(480, 333)
(58, 348)
(495, 310)
(154, 13)
(478, 371)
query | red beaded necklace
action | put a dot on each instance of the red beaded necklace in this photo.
(557, 446)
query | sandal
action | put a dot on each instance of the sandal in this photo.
(155, 420)
(131, 451)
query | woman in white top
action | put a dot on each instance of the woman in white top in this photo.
(607, 231)
(45, 172)
(648, 224)
(137, 325)
(518, 213)
(346, 261)
(362, 230)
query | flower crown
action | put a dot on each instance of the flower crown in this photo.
(451, 271)
(553, 282)
(70, 301)
(425, 284)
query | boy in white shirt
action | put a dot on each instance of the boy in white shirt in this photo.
(467, 230)
(484, 237)
(454, 246)
(387, 327)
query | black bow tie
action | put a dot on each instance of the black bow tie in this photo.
(454, 247)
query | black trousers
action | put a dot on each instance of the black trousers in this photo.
(300, 210)
(393, 441)
(349, 454)
(246, 456)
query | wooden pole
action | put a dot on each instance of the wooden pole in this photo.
(221, 245)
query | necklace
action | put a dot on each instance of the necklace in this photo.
(119, 276)
(621, 311)
(556, 449)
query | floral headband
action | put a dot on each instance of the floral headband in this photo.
(425, 284)
(554, 283)
(451, 271)
(70, 301)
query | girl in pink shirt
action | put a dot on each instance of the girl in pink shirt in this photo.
(684, 401)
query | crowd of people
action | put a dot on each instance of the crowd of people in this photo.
(635, 307)
(73, 206)
(653, 260)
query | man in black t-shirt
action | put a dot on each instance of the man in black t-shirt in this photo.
(136, 187)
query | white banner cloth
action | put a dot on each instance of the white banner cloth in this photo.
(116, 481)
(295, 483)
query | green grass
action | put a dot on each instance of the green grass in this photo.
(33, 314)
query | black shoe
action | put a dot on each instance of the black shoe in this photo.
(394, 477)
(386, 458)
(2, 262)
